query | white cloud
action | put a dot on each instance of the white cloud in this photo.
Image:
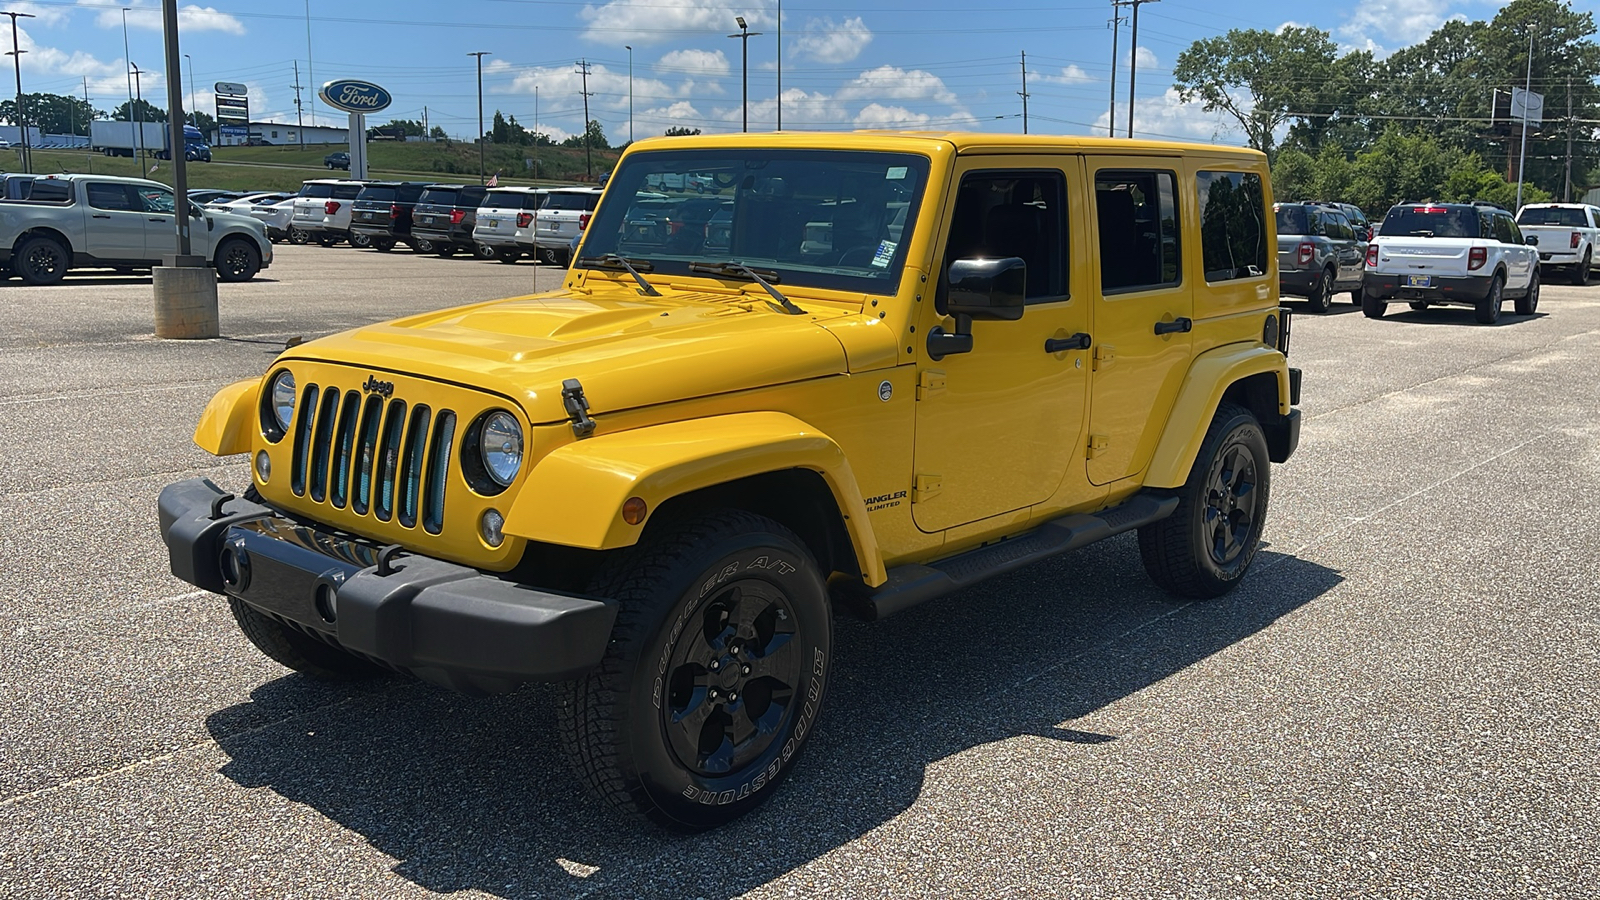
(875, 115)
(42, 15)
(1147, 59)
(1069, 75)
(826, 41)
(695, 62)
(649, 21)
(893, 83)
(146, 14)
(1379, 23)
(1165, 116)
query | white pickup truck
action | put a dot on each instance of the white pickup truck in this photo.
(1567, 233)
(100, 221)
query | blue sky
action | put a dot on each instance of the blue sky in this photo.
(932, 64)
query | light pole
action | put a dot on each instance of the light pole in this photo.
(480, 55)
(1133, 59)
(744, 36)
(128, 58)
(194, 116)
(22, 118)
(138, 114)
(630, 91)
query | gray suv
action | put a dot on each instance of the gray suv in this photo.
(1320, 253)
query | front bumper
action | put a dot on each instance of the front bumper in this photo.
(448, 624)
(1467, 289)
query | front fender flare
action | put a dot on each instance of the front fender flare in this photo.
(574, 496)
(229, 419)
(1210, 376)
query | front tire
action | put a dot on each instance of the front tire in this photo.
(237, 260)
(715, 673)
(1487, 310)
(297, 651)
(1528, 303)
(41, 260)
(1203, 550)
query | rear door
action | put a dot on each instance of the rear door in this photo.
(1143, 209)
(116, 221)
(1521, 259)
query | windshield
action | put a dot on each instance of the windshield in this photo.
(1291, 219)
(1431, 221)
(817, 218)
(1566, 216)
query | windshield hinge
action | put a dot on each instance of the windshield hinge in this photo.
(577, 407)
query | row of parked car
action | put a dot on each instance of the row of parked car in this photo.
(1427, 254)
(503, 223)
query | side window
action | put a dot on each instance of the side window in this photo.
(111, 196)
(1338, 227)
(1233, 230)
(1509, 232)
(1136, 215)
(1015, 213)
(1486, 226)
(157, 200)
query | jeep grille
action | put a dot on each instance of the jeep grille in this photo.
(375, 456)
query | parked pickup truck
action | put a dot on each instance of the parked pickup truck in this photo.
(99, 221)
(1567, 234)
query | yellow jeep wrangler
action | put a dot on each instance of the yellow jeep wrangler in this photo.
(864, 369)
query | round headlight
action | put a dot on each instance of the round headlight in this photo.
(282, 392)
(502, 447)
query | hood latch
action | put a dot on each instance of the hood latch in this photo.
(577, 407)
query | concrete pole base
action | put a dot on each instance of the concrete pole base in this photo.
(186, 302)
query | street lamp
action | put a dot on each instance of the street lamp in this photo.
(630, 91)
(194, 115)
(138, 114)
(22, 118)
(480, 55)
(744, 36)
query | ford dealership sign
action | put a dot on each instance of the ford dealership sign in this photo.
(355, 96)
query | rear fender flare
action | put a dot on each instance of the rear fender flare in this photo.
(574, 495)
(1209, 378)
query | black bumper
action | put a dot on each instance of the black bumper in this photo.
(445, 623)
(1297, 282)
(448, 236)
(1458, 289)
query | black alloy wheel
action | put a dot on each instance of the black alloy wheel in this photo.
(41, 260)
(237, 260)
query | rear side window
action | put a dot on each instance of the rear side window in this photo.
(584, 201)
(112, 197)
(320, 191)
(1136, 214)
(440, 196)
(472, 196)
(346, 191)
(1233, 232)
(378, 194)
(1291, 219)
(1431, 221)
(1561, 216)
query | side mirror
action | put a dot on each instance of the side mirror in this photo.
(993, 289)
(987, 288)
(1532, 240)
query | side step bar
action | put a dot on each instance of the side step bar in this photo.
(909, 585)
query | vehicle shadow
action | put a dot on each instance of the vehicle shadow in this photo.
(475, 794)
(1457, 315)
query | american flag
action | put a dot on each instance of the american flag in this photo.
(494, 180)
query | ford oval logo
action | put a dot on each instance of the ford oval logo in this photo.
(355, 96)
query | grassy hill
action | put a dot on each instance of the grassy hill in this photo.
(283, 168)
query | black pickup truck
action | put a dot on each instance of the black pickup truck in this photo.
(383, 212)
(446, 214)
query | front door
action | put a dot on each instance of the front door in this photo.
(116, 222)
(1141, 348)
(161, 229)
(997, 428)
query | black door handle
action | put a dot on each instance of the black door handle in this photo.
(1079, 341)
(1178, 325)
(99, 216)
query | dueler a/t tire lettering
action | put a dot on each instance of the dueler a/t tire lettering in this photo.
(715, 674)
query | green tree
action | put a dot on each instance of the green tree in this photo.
(52, 113)
(1294, 174)
(1263, 79)
(500, 132)
(437, 133)
(146, 112)
(202, 121)
(596, 134)
(681, 131)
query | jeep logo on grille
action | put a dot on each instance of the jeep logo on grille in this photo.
(374, 386)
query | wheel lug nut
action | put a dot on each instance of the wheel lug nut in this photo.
(713, 693)
(745, 669)
(732, 697)
(715, 665)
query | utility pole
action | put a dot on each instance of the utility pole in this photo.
(138, 116)
(1133, 59)
(1566, 193)
(588, 161)
(89, 125)
(1116, 30)
(194, 118)
(127, 58)
(1024, 92)
(311, 68)
(22, 116)
(299, 114)
(1522, 157)
(629, 48)
(481, 139)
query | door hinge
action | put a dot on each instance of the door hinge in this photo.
(1104, 354)
(926, 487)
(1097, 444)
(929, 382)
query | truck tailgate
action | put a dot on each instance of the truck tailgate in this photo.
(1431, 256)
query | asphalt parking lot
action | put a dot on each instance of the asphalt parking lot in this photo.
(1399, 702)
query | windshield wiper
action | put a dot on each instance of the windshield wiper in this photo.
(738, 269)
(631, 266)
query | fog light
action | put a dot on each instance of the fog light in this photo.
(490, 527)
(263, 466)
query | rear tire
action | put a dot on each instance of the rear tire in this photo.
(41, 260)
(1372, 306)
(1487, 310)
(1528, 303)
(1418, 305)
(360, 240)
(1203, 550)
(297, 651)
(422, 246)
(383, 245)
(693, 726)
(509, 257)
(1355, 296)
(484, 251)
(1580, 272)
(1321, 293)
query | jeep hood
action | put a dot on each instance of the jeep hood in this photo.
(627, 352)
